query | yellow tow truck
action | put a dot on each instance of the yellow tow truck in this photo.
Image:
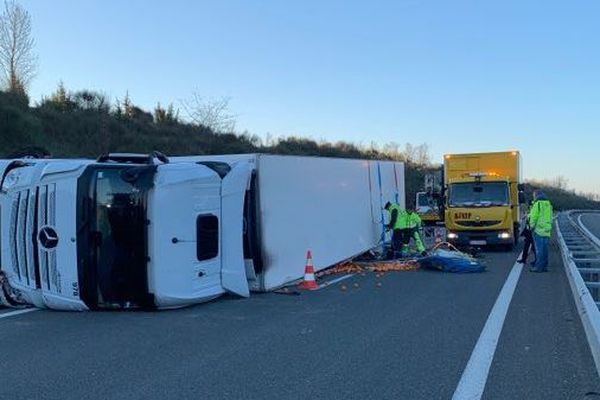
(483, 197)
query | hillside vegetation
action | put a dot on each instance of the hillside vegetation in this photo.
(85, 124)
(562, 199)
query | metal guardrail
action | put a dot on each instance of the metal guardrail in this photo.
(583, 249)
(581, 256)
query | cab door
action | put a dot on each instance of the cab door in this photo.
(184, 235)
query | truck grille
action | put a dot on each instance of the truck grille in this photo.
(31, 210)
(43, 220)
(30, 240)
(477, 223)
(13, 236)
(47, 216)
(21, 238)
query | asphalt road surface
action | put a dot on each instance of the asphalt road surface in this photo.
(592, 222)
(411, 338)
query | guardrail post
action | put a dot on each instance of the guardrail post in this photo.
(581, 256)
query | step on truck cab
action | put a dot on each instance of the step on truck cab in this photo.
(483, 196)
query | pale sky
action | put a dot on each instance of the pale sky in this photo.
(461, 76)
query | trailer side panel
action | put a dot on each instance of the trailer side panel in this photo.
(332, 207)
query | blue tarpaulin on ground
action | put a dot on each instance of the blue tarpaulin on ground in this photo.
(451, 261)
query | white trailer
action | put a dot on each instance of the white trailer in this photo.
(330, 206)
(128, 231)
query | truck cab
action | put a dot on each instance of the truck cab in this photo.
(428, 209)
(124, 231)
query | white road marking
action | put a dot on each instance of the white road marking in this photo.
(334, 281)
(474, 377)
(17, 312)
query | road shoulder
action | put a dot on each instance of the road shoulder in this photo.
(543, 352)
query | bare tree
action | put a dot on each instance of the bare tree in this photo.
(560, 182)
(390, 149)
(423, 156)
(18, 62)
(212, 113)
(417, 154)
(165, 115)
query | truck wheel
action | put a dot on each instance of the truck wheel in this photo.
(31, 152)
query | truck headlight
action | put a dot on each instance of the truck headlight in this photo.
(452, 235)
(504, 235)
(11, 180)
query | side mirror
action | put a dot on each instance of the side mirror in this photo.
(522, 197)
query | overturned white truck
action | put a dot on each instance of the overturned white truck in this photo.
(133, 231)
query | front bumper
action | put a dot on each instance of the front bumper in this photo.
(479, 238)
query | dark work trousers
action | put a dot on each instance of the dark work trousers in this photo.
(527, 244)
(400, 239)
(397, 240)
(407, 234)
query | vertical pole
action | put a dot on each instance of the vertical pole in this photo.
(396, 184)
(382, 240)
(370, 191)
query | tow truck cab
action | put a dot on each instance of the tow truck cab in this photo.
(483, 197)
(126, 231)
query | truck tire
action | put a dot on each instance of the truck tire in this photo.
(31, 152)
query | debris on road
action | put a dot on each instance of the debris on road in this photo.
(450, 260)
(288, 291)
(394, 265)
(379, 267)
(443, 257)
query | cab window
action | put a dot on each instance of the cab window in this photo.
(207, 237)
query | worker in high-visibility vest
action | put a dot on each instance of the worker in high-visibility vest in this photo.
(398, 225)
(540, 223)
(528, 244)
(415, 224)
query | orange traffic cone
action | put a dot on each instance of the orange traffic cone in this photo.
(309, 274)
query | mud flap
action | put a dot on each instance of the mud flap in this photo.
(233, 190)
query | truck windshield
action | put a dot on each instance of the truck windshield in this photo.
(422, 200)
(115, 270)
(478, 194)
